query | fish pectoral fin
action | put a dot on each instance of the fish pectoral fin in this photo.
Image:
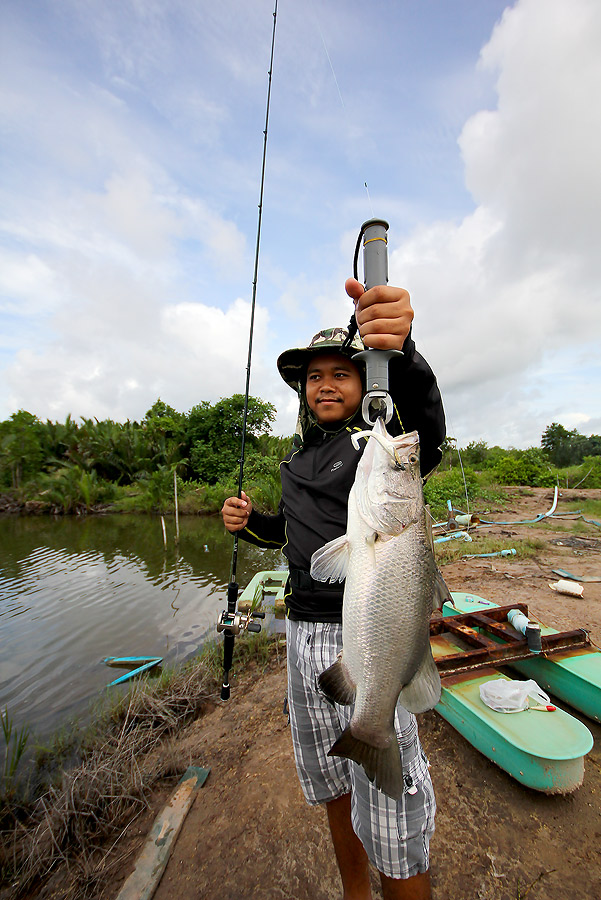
(423, 691)
(337, 684)
(382, 765)
(330, 562)
(441, 594)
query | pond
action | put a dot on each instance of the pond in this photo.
(75, 590)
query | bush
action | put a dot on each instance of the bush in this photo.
(587, 475)
(527, 468)
(450, 485)
(267, 494)
(69, 489)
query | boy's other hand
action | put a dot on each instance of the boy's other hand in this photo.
(384, 314)
(235, 512)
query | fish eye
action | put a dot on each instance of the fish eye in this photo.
(413, 459)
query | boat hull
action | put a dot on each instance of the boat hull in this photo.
(543, 754)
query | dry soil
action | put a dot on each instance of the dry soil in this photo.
(250, 833)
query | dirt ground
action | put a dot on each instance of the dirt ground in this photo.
(250, 834)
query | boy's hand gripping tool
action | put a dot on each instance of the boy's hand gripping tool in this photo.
(377, 401)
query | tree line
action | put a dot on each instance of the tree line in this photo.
(562, 455)
(78, 466)
(70, 466)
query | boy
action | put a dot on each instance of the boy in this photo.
(317, 476)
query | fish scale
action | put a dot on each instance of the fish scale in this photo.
(392, 583)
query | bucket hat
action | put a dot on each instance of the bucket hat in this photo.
(292, 364)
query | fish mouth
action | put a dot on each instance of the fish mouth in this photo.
(391, 446)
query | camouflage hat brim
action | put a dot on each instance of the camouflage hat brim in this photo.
(292, 364)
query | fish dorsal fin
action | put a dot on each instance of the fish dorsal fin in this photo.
(330, 562)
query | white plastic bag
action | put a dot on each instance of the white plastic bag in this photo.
(507, 696)
(571, 588)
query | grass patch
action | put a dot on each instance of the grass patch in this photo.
(15, 743)
(129, 746)
(254, 650)
(452, 551)
(589, 508)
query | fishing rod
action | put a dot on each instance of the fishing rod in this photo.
(232, 623)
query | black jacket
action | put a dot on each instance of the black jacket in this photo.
(317, 478)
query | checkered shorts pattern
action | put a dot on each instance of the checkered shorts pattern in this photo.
(395, 834)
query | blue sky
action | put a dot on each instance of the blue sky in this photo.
(131, 154)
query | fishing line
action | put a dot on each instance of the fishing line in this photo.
(467, 499)
(329, 60)
(340, 97)
(230, 621)
(370, 203)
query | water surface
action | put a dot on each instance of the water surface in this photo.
(75, 590)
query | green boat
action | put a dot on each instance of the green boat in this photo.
(542, 750)
(573, 675)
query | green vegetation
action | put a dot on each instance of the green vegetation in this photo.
(129, 467)
(589, 508)
(15, 743)
(53, 830)
(452, 551)
(77, 468)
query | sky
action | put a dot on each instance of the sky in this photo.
(132, 140)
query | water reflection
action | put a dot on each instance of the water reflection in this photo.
(73, 591)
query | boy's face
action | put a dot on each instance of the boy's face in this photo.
(334, 389)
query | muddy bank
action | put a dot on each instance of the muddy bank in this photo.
(250, 833)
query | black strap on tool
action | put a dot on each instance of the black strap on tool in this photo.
(232, 623)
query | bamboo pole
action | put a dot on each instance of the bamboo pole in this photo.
(176, 507)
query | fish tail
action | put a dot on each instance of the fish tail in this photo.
(336, 684)
(382, 765)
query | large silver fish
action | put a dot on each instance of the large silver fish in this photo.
(392, 586)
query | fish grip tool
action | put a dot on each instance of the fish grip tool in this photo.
(377, 401)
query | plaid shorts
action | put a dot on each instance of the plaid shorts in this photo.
(395, 834)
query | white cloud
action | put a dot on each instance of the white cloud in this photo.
(133, 135)
(27, 284)
(508, 301)
(183, 353)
